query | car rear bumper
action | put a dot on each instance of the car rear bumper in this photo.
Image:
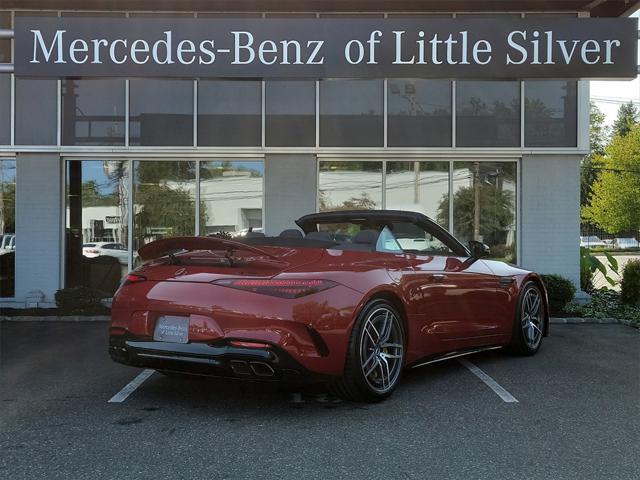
(270, 364)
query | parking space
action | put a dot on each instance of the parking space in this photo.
(575, 416)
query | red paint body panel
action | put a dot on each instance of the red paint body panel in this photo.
(448, 303)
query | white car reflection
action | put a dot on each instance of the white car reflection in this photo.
(7, 243)
(109, 249)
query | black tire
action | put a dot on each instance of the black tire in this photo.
(354, 385)
(528, 326)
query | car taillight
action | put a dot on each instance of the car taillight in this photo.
(133, 278)
(93, 251)
(278, 288)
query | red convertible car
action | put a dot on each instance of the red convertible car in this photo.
(351, 298)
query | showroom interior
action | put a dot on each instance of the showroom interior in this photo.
(119, 162)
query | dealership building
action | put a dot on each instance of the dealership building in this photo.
(122, 122)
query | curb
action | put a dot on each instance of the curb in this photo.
(591, 321)
(65, 318)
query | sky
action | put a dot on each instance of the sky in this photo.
(609, 95)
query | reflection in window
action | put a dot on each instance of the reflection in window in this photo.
(350, 185)
(5, 43)
(5, 107)
(7, 227)
(551, 113)
(161, 112)
(419, 187)
(484, 205)
(351, 113)
(93, 112)
(290, 113)
(419, 113)
(36, 111)
(164, 200)
(229, 113)
(97, 196)
(487, 114)
(230, 196)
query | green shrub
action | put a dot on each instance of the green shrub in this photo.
(586, 270)
(560, 291)
(608, 304)
(81, 301)
(630, 291)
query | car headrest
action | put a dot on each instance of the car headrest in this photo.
(254, 235)
(291, 233)
(319, 236)
(368, 237)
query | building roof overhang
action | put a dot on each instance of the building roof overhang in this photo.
(596, 8)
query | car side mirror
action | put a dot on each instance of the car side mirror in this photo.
(479, 249)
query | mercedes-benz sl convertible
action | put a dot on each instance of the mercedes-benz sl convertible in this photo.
(351, 298)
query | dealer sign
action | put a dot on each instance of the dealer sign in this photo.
(321, 48)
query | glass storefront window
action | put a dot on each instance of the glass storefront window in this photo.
(231, 196)
(97, 197)
(229, 113)
(487, 114)
(419, 187)
(93, 112)
(7, 227)
(419, 113)
(484, 205)
(551, 113)
(36, 111)
(5, 108)
(350, 185)
(290, 113)
(351, 113)
(164, 200)
(161, 112)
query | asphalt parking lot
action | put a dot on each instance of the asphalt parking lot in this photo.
(576, 416)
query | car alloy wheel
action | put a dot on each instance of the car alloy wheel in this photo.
(381, 350)
(532, 317)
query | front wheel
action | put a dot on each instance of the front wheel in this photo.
(528, 326)
(375, 357)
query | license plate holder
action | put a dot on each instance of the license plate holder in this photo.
(172, 329)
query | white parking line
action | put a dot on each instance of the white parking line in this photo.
(490, 382)
(122, 395)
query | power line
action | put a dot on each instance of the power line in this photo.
(616, 101)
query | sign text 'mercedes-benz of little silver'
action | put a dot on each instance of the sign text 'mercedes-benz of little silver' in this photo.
(321, 48)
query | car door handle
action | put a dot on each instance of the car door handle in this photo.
(438, 277)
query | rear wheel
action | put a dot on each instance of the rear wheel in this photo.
(528, 326)
(375, 358)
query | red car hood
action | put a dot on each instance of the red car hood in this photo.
(205, 259)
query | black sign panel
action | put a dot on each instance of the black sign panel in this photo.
(321, 48)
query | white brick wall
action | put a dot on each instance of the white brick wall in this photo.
(550, 215)
(38, 224)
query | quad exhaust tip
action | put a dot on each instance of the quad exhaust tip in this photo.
(259, 369)
(262, 369)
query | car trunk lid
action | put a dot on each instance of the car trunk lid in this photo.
(206, 259)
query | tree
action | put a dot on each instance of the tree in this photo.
(496, 213)
(615, 199)
(598, 136)
(628, 116)
(7, 208)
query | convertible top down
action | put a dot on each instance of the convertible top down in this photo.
(350, 298)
